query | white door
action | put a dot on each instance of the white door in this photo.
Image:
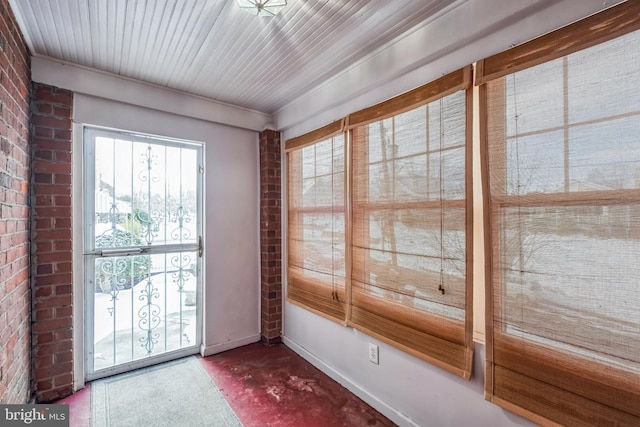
(143, 248)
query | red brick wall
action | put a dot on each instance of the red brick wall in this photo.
(270, 236)
(51, 243)
(15, 66)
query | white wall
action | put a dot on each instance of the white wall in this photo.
(233, 258)
(231, 215)
(406, 389)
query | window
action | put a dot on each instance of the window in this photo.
(389, 251)
(316, 222)
(563, 182)
(409, 283)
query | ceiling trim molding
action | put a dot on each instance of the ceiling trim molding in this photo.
(100, 84)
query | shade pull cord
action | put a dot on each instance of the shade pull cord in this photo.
(441, 284)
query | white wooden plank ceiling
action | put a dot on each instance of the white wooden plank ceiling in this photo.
(213, 49)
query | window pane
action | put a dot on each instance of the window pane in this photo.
(608, 90)
(380, 146)
(410, 178)
(572, 274)
(534, 99)
(447, 122)
(605, 155)
(535, 164)
(447, 175)
(410, 132)
(323, 244)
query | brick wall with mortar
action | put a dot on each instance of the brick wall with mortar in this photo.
(52, 296)
(270, 236)
(15, 323)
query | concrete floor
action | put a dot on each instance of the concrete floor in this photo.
(269, 386)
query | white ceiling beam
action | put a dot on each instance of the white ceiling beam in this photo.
(110, 86)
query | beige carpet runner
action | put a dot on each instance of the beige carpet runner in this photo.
(177, 393)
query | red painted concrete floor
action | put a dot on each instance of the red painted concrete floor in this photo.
(269, 386)
(79, 407)
(273, 386)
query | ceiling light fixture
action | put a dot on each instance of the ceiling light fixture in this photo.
(262, 7)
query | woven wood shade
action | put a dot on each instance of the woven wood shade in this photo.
(411, 223)
(314, 136)
(562, 152)
(316, 223)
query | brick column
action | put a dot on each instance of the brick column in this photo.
(15, 323)
(270, 236)
(52, 297)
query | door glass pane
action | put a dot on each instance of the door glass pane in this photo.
(144, 305)
(145, 193)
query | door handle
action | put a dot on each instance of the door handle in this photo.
(200, 247)
(120, 252)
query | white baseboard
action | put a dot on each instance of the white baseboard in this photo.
(228, 345)
(363, 394)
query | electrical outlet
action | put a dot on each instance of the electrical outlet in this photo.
(373, 353)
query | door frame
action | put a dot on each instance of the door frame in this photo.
(82, 309)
